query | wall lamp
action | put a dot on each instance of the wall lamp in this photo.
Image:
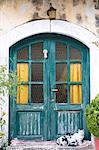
(51, 12)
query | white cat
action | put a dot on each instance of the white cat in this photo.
(76, 138)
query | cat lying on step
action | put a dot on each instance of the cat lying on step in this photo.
(75, 139)
(63, 141)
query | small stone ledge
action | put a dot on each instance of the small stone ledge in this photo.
(47, 146)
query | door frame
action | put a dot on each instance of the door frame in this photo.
(63, 39)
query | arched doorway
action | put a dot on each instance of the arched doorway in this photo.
(54, 90)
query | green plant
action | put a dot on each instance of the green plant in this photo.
(8, 81)
(8, 85)
(92, 116)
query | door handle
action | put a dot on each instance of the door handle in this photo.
(54, 90)
(52, 100)
(45, 52)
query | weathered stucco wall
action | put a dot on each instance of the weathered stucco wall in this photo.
(16, 12)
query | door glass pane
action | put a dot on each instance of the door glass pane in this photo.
(61, 95)
(61, 51)
(37, 72)
(22, 94)
(75, 53)
(37, 93)
(61, 72)
(22, 53)
(76, 94)
(75, 72)
(22, 72)
(37, 51)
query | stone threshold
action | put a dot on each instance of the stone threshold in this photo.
(46, 145)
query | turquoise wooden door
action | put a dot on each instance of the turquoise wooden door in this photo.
(54, 90)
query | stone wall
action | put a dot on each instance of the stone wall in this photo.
(16, 12)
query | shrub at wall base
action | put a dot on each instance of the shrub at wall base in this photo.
(92, 119)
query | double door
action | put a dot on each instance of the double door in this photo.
(54, 88)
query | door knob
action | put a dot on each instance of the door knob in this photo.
(54, 90)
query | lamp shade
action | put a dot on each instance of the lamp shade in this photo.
(51, 12)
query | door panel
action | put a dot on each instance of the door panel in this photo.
(67, 101)
(29, 124)
(68, 122)
(30, 105)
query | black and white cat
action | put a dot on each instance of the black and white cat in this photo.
(75, 139)
(63, 140)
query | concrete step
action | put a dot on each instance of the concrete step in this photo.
(47, 145)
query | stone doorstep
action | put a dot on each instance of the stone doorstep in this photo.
(46, 146)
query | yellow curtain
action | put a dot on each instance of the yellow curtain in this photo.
(75, 72)
(22, 94)
(22, 90)
(75, 90)
(22, 72)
